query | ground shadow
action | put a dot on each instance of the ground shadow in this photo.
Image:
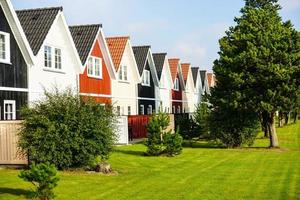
(202, 144)
(130, 152)
(16, 192)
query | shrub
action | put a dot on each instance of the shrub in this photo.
(156, 128)
(66, 131)
(159, 141)
(43, 177)
(172, 143)
(201, 120)
(233, 128)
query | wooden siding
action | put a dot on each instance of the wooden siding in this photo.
(147, 92)
(14, 74)
(137, 126)
(177, 97)
(21, 99)
(9, 152)
(102, 86)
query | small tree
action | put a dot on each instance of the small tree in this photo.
(160, 141)
(66, 131)
(43, 177)
(201, 119)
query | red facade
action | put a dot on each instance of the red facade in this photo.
(98, 89)
(177, 98)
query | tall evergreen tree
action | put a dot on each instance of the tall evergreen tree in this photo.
(258, 66)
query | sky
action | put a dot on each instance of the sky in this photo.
(187, 29)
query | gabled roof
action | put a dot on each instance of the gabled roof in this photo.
(84, 37)
(141, 53)
(203, 77)
(185, 67)
(116, 46)
(174, 62)
(36, 24)
(17, 30)
(195, 73)
(211, 79)
(159, 60)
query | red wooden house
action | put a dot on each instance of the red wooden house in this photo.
(178, 85)
(97, 68)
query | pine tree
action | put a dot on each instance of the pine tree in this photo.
(259, 64)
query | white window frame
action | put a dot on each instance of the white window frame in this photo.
(54, 64)
(129, 110)
(92, 73)
(142, 110)
(13, 112)
(150, 110)
(146, 78)
(123, 73)
(7, 48)
(176, 84)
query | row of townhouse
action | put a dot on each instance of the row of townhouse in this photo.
(39, 51)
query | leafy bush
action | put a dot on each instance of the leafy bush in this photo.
(172, 143)
(44, 177)
(159, 141)
(66, 131)
(233, 128)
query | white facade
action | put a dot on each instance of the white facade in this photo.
(165, 89)
(188, 94)
(124, 93)
(41, 77)
(198, 90)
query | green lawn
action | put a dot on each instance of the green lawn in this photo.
(198, 173)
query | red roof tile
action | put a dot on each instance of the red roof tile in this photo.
(174, 62)
(211, 79)
(185, 67)
(116, 46)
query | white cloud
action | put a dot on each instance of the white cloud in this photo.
(290, 5)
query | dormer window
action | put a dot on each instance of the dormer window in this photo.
(146, 78)
(52, 58)
(123, 73)
(95, 67)
(4, 47)
(176, 84)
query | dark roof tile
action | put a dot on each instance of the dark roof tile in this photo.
(141, 53)
(84, 37)
(159, 60)
(195, 71)
(36, 24)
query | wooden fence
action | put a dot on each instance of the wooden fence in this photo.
(9, 152)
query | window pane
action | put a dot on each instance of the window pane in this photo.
(125, 72)
(121, 73)
(57, 59)
(97, 67)
(48, 57)
(2, 47)
(90, 66)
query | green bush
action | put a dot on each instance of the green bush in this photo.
(43, 177)
(159, 141)
(233, 128)
(201, 117)
(172, 143)
(66, 131)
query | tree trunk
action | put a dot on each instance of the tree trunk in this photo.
(264, 124)
(286, 118)
(280, 119)
(295, 117)
(273, 135)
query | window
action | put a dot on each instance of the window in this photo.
(9, 110)
(129, 110)
(178, 109)
(149, 110)
(49, 58)
(118, 110)
(142, 111)
(146, 78)
(57, 59)
(123, 74)
(176, 84)
(4, 47)
(95, 67)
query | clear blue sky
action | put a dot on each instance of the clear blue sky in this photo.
(187, 29)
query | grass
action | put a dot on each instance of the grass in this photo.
(198, 173)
